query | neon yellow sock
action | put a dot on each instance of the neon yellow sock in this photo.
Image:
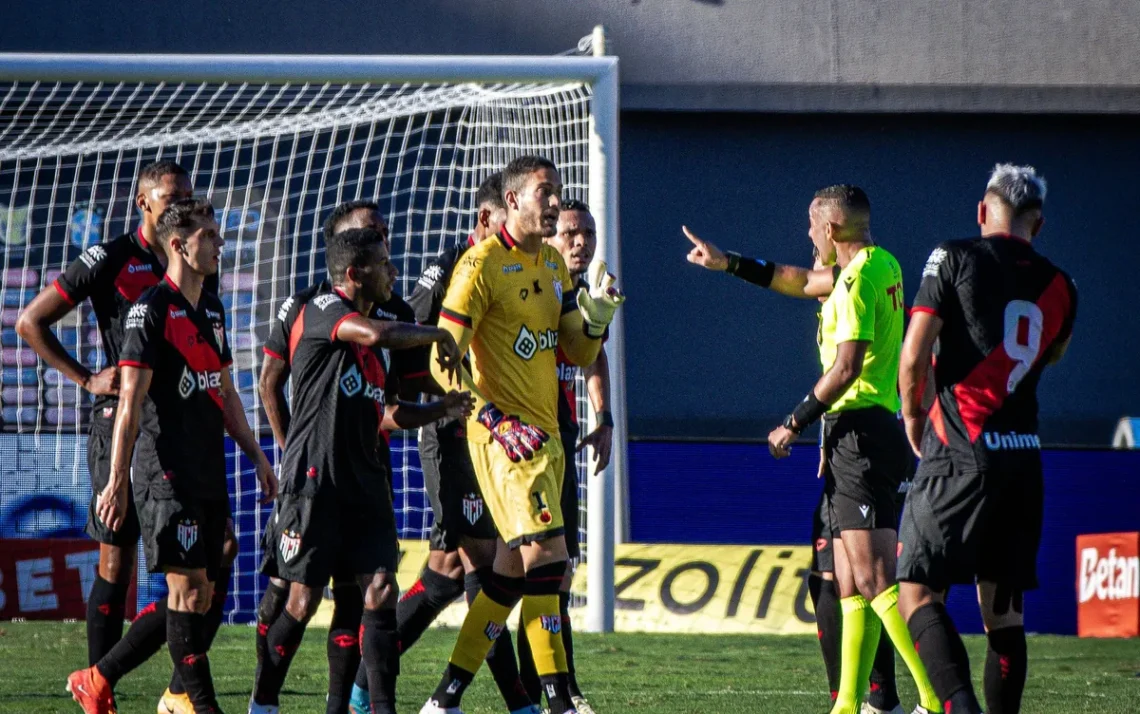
(859, 639)
(485, 620)
(886, 605)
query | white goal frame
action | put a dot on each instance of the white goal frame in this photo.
(600, 72)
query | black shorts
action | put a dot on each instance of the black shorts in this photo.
(99, 467)
(823, 552)
(312, 536)
(456, 499)
(960, 526)
(180, 530)
(571, 515)
(867, 459)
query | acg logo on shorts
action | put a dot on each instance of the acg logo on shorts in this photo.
(528, 344)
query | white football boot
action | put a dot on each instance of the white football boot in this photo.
(868, 709)
(432, 708)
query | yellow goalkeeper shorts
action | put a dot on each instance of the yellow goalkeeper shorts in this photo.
(524, 499)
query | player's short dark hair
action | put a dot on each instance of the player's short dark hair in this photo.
(183, 217)
(342, 212)
(490, 192)
(351, 248)
(518, 171)
(153, 173)
(848, 197)
(573, 204)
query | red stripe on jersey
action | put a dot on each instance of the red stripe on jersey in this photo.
(63, 293)
(332, 334)
(132, 363)
(416, 375)
(183, 334)
(922, 308)
(272, 354)
(938, 421)
(508, 240)
(984, 389)
(296, 333)
(457, 318)
(134, 278)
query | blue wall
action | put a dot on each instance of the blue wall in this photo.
(709, 355)
(737, 493)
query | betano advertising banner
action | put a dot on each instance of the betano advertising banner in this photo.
(681, 588)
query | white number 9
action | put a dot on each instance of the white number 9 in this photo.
(1023, 352)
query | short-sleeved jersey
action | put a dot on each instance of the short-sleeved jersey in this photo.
(1003, 307)
(866, 305)
(567, 376)
(113, 274)
(512, 301)
(402, 364)
(334, 436)
(427, 298)
(186, 349)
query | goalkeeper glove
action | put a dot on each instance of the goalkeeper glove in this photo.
(519, 439)
(599, 301)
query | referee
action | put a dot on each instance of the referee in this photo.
(865, 450)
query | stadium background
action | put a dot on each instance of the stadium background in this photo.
(734, 112)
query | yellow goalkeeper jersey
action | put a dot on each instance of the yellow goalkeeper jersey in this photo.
(512, 301)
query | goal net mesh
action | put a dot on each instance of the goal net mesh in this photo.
(274, 159)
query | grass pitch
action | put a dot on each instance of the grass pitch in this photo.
(664, 674)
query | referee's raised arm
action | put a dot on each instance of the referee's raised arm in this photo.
(790, 280)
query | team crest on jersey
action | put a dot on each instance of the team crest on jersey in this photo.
(551, 623)
(557, 289)
(187, 533)
(472, 508)
(220, 335)
(290, 544)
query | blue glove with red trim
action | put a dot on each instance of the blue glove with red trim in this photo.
(520, 440)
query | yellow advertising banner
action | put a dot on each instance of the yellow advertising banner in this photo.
(681, 588)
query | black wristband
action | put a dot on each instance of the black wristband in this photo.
(605, 419)
(757, 272)
(808, 411)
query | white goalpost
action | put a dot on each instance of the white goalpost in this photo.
(276, 142)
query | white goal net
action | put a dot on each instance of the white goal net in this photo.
(274, 157)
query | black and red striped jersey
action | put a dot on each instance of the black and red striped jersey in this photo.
(1004, 309)
(567, 375)
(339, 395)
(186, 349)
(114, 274)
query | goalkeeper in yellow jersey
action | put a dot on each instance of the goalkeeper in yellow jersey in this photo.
(511, 304)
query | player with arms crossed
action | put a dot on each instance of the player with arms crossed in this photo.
(407, 370)
(994, 313)
(576, 239)
(865, 449)
(817, 283)
(174, 366)
(335, 510)
(462, 535)
(512, 302)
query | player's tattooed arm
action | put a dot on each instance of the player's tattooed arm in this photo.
(409, 415)
(34, 326)
(237, 426)
(790, 280)
(401, 336)
(598, 388)
(111, 506)
(914, 374)
(271, 387)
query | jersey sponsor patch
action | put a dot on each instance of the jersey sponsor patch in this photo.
(283, 311)
(1011, 441)
(528, 344)
(194, 381)
(934, 262)
(512, 268)
(136, 317)
(323, 301)
(93, 255)
(430, 276)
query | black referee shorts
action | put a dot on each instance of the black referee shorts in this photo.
(867, 457)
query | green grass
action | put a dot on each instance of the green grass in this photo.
(664, 674)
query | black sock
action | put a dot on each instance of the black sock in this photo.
(422, 603)
(1007, 664)
(186, 638)
(268, 610)
(568, 643)
(944, 656)
(381, 658)
(145, 637)
(105, 606)
(344, 645)
(883, 694)
(828, 623)
(213, 622)
(557, 690)
(501, 658)
(528, 675)
(285, 635)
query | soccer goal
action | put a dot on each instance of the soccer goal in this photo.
(275, 142)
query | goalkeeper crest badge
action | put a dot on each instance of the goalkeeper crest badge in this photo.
(220, 335)
(187, 533)
(540, 505)
(551, 623)
(557, 289)
(472, 508)
(290, 544)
